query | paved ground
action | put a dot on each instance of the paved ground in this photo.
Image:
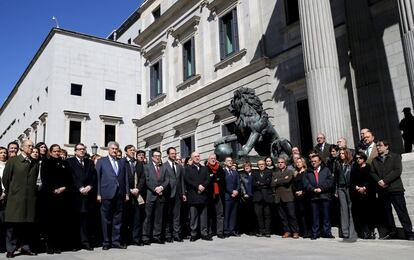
(246, 247)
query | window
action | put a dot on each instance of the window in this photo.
(187, 146)
(75, 89)
(74, 132)
(156, 80)
(156, 13)
(229, 36)
(109, 134)
(110, 94)
(291, 11)
(138, 99)
(229, 129)
(189, 59)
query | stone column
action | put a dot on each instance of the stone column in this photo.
(322, 71)
(406, 9)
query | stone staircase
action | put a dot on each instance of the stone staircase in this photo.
(407, 177)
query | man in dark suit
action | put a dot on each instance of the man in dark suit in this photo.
(176, 193)
(157, 184)
(247, 219)
(262, 197)
(197, 179)
(113, 190)
(322, 147)
(231, 197)
(386, 170)
(19, 180)
(371, 148)
(318, 183)
(282, 181)
(132, 227)
(84, 178)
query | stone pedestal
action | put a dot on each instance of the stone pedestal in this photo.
(406, 9)
(320, 56)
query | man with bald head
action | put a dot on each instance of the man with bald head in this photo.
(197, 179)
(371, 149)
(19, 179)
(322, 147)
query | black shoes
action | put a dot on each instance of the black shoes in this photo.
(10, 255)
(118, 246)
(328, 236)
(169, 240)
(146, 242)
(221, 236)
(207, 238)
(27, 252)
(390, 235)
(87, 247)
(105, 247)
(138, 243)
(178, 239)
(193, 238)
(157, 241)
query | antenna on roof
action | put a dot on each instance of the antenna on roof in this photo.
(56, 20)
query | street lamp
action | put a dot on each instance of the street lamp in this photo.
(94, 148)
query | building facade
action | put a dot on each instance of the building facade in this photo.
(78, 88)
(317, 65)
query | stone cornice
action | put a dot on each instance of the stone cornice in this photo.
(186, 127)
(111, 119)
(230, 59)
(43, 117)
(35, 124)
(253, 67)
(154, 139)
(75, 114)
(186, 28)
(155, 51)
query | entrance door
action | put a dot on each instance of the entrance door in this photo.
(305, 132)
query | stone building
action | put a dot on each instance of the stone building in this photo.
(77, 88)
(317, 65)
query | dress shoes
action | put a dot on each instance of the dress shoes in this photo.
(314, 237)
(390, 235)
(266, 235)
(169, 240)
(118, 246)
(157, 241)
(105, 247)
(27, 252)
(221, 236)
(57, 251)
(87, 247)
(286, 235)
(234, 234)
(178, 239)
(295, 235)
(328, 236)
(207, 238)
(146, 242)
(10, 255)
(138, 243)
(193, 239)
(259, 234)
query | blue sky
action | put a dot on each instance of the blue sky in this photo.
(25, 24)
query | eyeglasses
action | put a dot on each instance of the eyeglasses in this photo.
(358, 158)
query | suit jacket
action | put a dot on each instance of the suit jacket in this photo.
(232, 178)
(152, 182)
(19, 180)
(389, 171)
(324, 154)
(175, 180)
(136, 178)
(109, 182)
(282, 183)
(325, 183)
(193, 177)
(246, 185)
(83, 176)
(262, 191)
(345, 170)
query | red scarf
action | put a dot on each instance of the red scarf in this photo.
(214, 168)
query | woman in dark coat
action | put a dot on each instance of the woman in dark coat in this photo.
(56, 190)
(362, 197)
(301, 199)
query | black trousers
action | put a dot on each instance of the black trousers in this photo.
(132, 221)
(2, 229)
(19, 234)
(398, 201)
(318, 206)
(216, 216)
(247, 222)
(363, 212)
(303, 215)
(262, 210)
(408, 144)
(85, 220)
(198, 219)
(153, 222)
(287, 215)
(230, 216)
(173, 217)
(111, 218)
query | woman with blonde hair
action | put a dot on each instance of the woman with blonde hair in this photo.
(301, 200)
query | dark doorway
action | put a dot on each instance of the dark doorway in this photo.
(305, 132)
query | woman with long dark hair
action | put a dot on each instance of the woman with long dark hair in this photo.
(56, 189)
(301, 200)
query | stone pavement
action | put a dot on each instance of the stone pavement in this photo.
(246, 247)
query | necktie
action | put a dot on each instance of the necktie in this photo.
(82, 163)
(173, 167)
(316, 176)
(132, 166)
(115, 166)
(157, 169)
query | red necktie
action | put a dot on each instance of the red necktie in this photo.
(316, 176)
(158, 172)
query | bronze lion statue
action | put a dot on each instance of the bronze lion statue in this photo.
(253, 129)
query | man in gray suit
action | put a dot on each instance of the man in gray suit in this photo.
(157, 184)
(176, 193)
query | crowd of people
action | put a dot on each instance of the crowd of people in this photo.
(51, 202)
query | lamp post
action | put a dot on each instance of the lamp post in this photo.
(94, 148)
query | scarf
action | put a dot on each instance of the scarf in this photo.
(214, 168)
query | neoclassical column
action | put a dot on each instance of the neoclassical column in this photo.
(326, 105)
(406, 9)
